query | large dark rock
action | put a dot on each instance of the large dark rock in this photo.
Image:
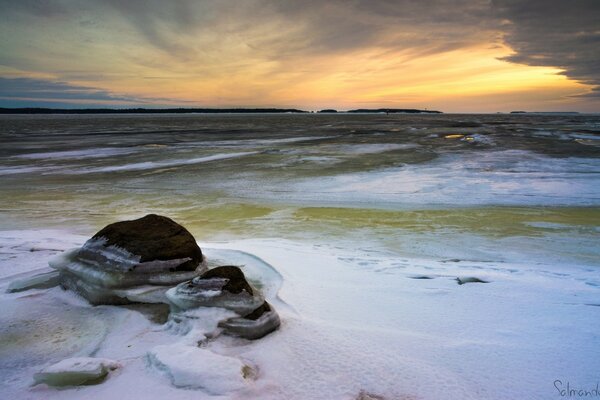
(131, 261)
(224, 287)
(151, 238)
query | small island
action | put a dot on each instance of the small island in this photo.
(546, 112)
(393, 111)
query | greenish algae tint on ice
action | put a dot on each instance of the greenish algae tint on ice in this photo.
(388, 180)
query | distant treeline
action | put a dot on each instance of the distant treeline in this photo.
(146, 110)
(33, 110)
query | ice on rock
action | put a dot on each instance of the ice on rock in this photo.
(224, 287)
(117, 266)
(198, 324)
(259, 273)
(196, 368)
(70, 263)
(76, 371)
(98, 253)
(45, 280)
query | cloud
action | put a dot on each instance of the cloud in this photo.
(16, 91)
(293, 28)
(557, 33)
(236, 51)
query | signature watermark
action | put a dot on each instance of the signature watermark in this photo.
(565, 389)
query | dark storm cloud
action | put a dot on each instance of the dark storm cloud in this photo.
(442, 20)
(40, 90)
(555, 33)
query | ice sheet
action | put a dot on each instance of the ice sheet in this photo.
(507, 177)
(163, 164)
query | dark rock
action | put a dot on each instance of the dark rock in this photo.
(254, 315)
(469, 279)
(255, 325)
(153, 237)
(236, 279)
(131, 261)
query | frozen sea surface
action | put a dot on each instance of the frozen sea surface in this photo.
(409, 256)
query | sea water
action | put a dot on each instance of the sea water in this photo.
(360, 224)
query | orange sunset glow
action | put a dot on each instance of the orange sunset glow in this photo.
(454, 56)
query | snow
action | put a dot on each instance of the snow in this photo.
(354, 320)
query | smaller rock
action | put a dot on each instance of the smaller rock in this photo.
(254, 325)
(224, 287)
(254, 315)
(76, 371)
(236, 281)
(469, 279)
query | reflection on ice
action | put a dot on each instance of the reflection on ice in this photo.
(38, 329)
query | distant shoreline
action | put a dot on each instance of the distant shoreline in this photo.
(148, 110)
(36, 110)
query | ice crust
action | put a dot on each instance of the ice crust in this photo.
(197, 368)
(76, 371)
(496, 177)
(70, 262)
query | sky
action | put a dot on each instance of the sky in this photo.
(448, 55)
